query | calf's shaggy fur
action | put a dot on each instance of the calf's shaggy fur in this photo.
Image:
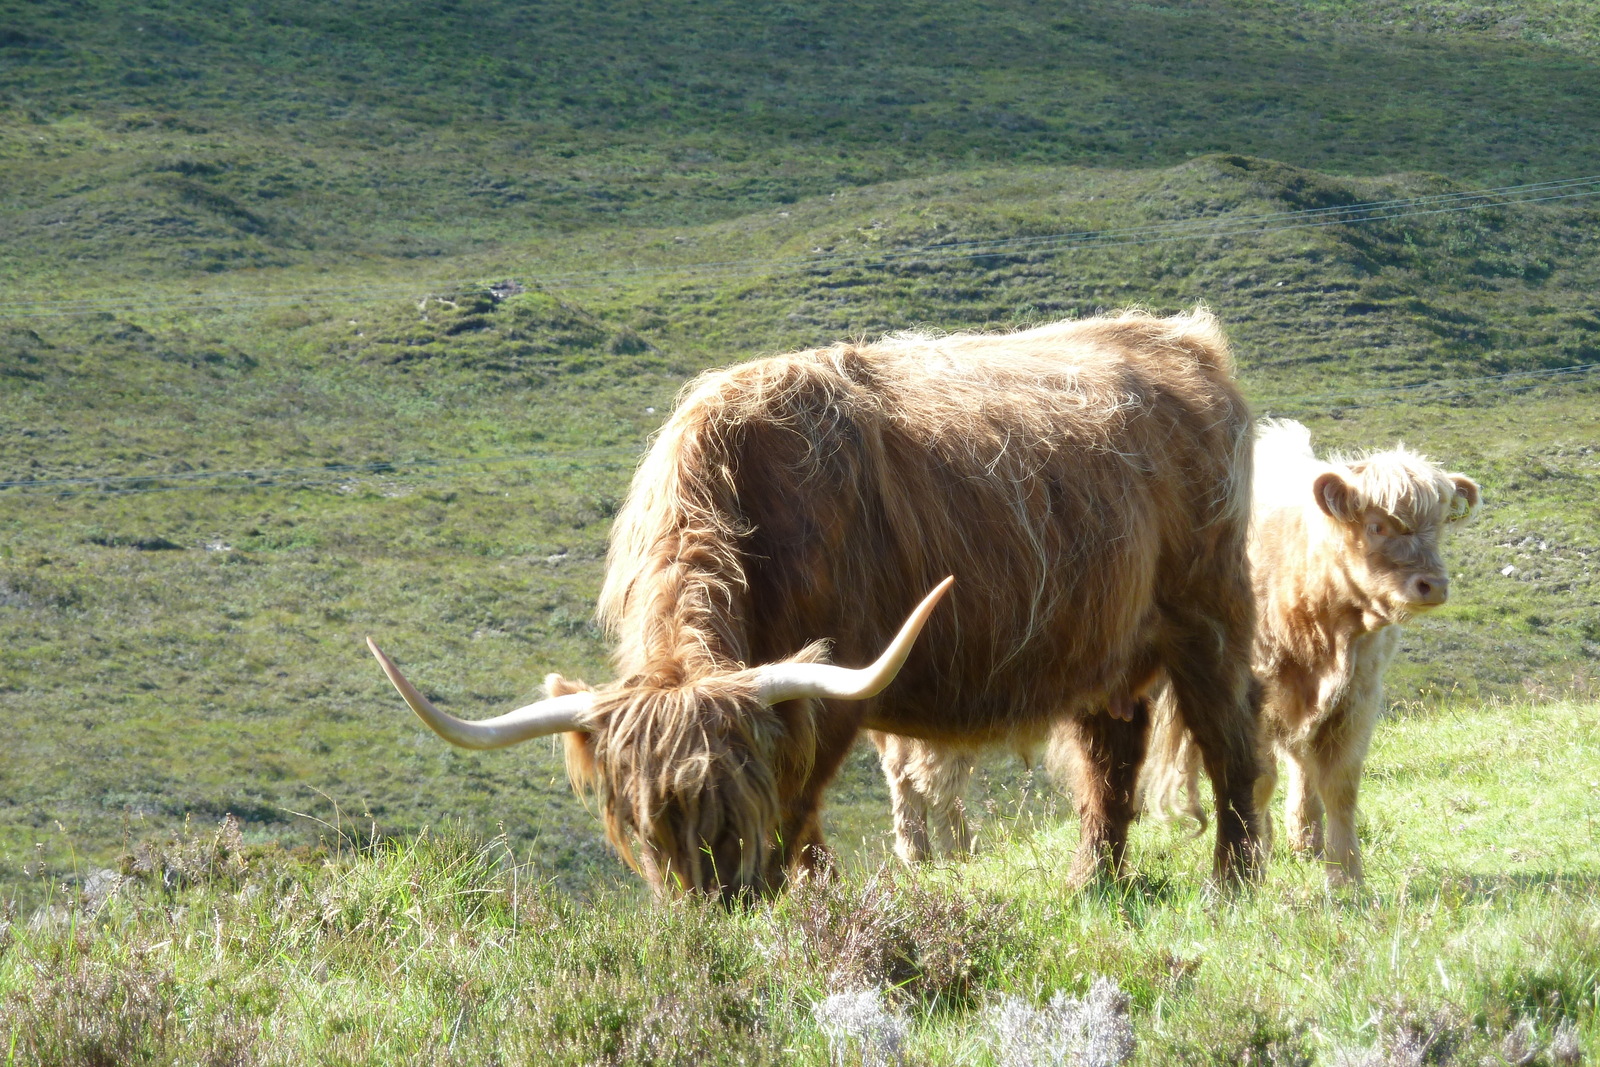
(1343, 551)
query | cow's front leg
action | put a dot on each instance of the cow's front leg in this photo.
(1108, 752)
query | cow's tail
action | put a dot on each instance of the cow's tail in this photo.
(1169, 783)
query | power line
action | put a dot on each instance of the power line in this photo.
(1156, 233)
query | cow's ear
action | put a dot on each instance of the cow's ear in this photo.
(557, 686)
(1465, 503)
(1336, 497)
(579, 746)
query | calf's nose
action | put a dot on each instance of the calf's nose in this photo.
(1428, 589)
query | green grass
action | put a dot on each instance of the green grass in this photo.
(226, 671)
(267, 405)
(1479, 916)
(143, 139)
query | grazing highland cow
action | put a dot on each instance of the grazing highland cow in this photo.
(1343, 551)
(1088, 483)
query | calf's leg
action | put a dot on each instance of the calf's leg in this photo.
(1343, 855)
(1266, 785)
(1303, 805)
(927, 785)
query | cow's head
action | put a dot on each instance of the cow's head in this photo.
(1391, 509)
(696, 780)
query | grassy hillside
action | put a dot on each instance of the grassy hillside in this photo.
(145, 138)
(1476, 941)
(263, 390)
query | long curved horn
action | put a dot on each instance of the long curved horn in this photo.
(795, 681)
(552, 716)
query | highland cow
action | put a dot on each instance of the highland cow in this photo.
(1086, 482)
(1343, 551)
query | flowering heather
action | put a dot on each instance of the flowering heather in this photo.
(862, 1017)
(1092, 1032)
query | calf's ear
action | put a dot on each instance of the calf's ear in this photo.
(1336, 497)
(1465, 504)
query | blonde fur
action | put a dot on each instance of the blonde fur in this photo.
(1341, 548)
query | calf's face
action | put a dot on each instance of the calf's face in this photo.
(1392, 554)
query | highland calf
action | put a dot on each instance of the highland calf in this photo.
(1343, 551)
(1087, 483)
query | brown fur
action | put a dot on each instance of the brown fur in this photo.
(1343, 552)
(1087, 483)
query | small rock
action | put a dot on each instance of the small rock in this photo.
(101, 885)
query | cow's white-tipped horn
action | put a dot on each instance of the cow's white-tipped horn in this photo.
(796, 681)
(553, 716)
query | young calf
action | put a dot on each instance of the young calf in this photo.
(928, 780)
(1342, 552)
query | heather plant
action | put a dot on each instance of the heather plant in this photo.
(450, 948)
(930, 941)
(862, 1018)
(1093, 1031)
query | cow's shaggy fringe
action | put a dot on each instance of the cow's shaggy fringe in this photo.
(698, 765)
(1403, 483)
(1086, 481)
(1092, 1032)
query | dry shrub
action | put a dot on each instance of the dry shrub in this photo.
(91, 1012)
(864, 1020)
(1092, 1031)
(1412, 1038)
(83, 1011)
(1447, 1037)
(1233, 1034)
(217, 858)
(703, 1026)
(934, 943)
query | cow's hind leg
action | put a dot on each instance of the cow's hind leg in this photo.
(1221, 707)
(1107, 755)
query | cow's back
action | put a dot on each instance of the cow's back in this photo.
(1074, 478)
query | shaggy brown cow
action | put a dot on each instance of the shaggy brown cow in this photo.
(1087, 481)
(1343, 552)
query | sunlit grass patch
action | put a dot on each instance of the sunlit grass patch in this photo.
(450, 948)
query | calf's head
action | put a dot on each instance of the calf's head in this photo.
(696, 781)
(1391, 509)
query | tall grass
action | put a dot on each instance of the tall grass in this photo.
(1466, 947)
